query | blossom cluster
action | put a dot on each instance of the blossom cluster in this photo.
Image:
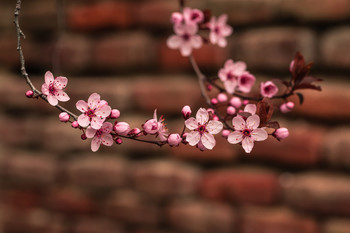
(240, 118)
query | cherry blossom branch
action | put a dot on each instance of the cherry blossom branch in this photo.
(24, 73)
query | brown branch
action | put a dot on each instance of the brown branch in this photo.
(24, 73)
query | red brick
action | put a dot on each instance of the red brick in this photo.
(155, 13)
(98, 172)
(328, 104)
(273, 47)
(201, 217)
(336, 147)
(242, 185)
(100, 15)
(339, 225)
(164, 178)
(124, 51)
(293, 150)
(276, 220)
(38, 16)
(24, 198)
(96, 225)
(132, 208)
(322, 193)
(69, 200)
(335, 47)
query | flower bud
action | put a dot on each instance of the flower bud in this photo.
(122, 128)
(222, 97)
(186, 112)
(64, 117)
(118, 141)
(214, 101)
(245, 102)
(151, 126)
(268, 89)
(115, 113)
(83, 136)
(75, 124)
(281, 133)
(225, 133)
(216, 118)
(29, 94)
(209, 87)
(135, 132)
(231, 110)
(287, 107)
(174, 139)
(236, 102)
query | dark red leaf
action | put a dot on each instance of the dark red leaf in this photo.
(273, 124)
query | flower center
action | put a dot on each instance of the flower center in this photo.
(194, 15)
(217, 30)
(52, 89)
(202, 129)
(231, 76)
(186, 36)
(98, 133)
(268, 89)
(90, 113)
(246, 132)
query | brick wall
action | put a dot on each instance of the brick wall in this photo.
(50, 181)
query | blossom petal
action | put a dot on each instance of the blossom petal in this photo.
(52, 100)
(62, 96)
(251, 108)
(222, 42)
(45, 89)
(196, 41)
(248, 144)
(191, 28)
(213, 37)
(253, 122)
(95, 144)
(174, 42)
(193, 138)
(96, 122)
(235, 137)
(61, 82)
(202, 116)
(49, 78)
(214, 127)
(179, 29)
(259, 134)
(191, 123)
(90, 132)
(230, 86)
(107, 139)
(238, 123)
(186, 49)
(94, 100)
(82, 106)
(107, 127)
(103, 111)
(208, 141)
(83, 120)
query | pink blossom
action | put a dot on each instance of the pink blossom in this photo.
(246, 132)
(53, 88)
(176, 18)
(245, 82)
(102, 135)
(219, 30)
(153, 126)
(287, 107)
(202, 129)
(64, 117)
(281, 133)
(186, 112)
(268, 89)
(250, 108)
(193, 15)
(94, 111)
(174, 139)
(186, 38)
(231, 73)
(122, 128)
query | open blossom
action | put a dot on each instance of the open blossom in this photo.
(202, 129)
(219, 30)
(53, 88)
(102, 135)
(268, 89)
(94, 111)
(186, 38)
(155, 126)
(189, 15)
(231, 73)
(247, 132)
(245, 82)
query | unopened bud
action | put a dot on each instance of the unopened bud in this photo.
(287, 107)
(222, 97)
(134, 132)
(216, 118)
(236, 102)
(281, 133)
(75, 124)
(225, 133)
(186, 112)
(64, 117)
(115, 113)
(118, 141)
(214, 101)
(209, 87)
(174, 139)
(231, 110)
(122, 128)
(83, 136)
(29, 94)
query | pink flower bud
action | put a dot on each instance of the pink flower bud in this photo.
(210, 111)
(209, 87)
(64, 117)
(83, 136)
(236, 102)
(151, 126)
(186, 112)
(174, 139)
(176, 18)
(214, 101)
(75, 124)
(135, 132)
(225, 133)
(231, 110)
(216, 118)
(245, 102)
(29, 94)
(287, 107)
(122, 128)
(115, 113)
(268, 89)
(222, 97)
(118, 141)
(281, 133)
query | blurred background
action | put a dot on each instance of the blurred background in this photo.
(50, 181)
